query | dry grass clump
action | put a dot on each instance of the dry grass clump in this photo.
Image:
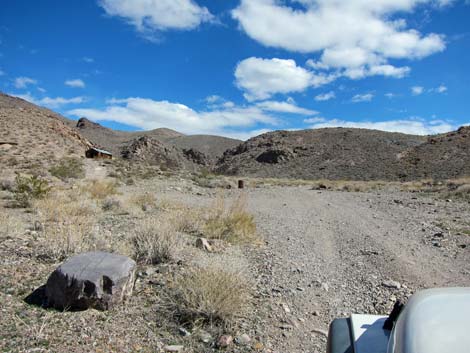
(68, 221)
(231, 223)
(144, 201)
(101, 189)
(156, 241)
(9, 225)
(210, 295)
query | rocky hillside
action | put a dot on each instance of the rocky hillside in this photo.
(212, 146)
(31, 136)
(333, 153)
(440, 157)
(155, 152)
(115, 141)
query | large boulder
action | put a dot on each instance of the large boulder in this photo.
(97, 280)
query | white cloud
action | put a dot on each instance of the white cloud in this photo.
(2, 73)
(284, 107)
(40, 89)
(390, 95)
(88, 59)
(417, 90)
(367, 97)
(407, 126)
(22, 82)
(262, 78)
(149, 16)
(76, 83)
(314, 120)
(325, 96)
(440, 89)
(49, 102)
(150, 114)
(358, 37)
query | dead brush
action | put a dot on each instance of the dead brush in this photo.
(68, 221)
(101, 189)
(155, 242)
(229, 223)
(211, 295)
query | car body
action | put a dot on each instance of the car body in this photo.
(433, 321)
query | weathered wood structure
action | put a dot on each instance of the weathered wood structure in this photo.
(98, 153)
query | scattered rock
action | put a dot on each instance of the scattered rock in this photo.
(184, 332)
(243, 340)
(203, 243)
(391, 284)
(224, 341)
(320, 331)
(205, 337)
(173, 348)
(91, 280)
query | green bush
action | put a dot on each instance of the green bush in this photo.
(70, 168)
(28, 188)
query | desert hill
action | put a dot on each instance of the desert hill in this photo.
(114, 140)
(31, 135)
(331, 153)
(212, 146)
(440, 157)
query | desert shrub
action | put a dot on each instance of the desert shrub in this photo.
(462, 191)
(68, 221)
(231, 223)
(211, 295)
(70, 168)
(155, 242)
(101, 189)
(110, 204)
(28, 188)
(7, 185)
(8, 225)
(144, 201)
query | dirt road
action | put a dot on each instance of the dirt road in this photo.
(329, 254)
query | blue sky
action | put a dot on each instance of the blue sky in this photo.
(241, 67)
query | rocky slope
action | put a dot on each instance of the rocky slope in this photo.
(440, 157)
(33, 136)
(333, 153)
(212, 146)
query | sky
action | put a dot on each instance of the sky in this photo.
(239, 68)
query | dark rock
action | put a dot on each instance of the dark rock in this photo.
(91, 280)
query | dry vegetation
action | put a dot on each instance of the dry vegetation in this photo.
(156, 241)
(79, 216)
(212, 295)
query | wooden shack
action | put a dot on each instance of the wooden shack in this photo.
(98, 153)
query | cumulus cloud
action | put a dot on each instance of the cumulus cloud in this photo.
(358, 37)
(285, 107)
(76, 83)
(407, 126)
(150, 16)
(150, 114)
(49, 102)
(23, 82)
(325, 96)
(417, 90)
(367, 97)
(88, 60)
(262, 78)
